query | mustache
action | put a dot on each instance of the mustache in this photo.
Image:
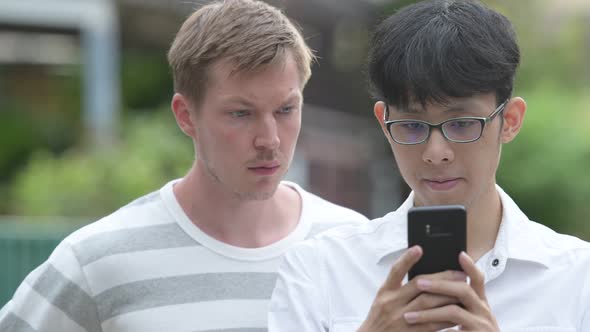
(267, 155)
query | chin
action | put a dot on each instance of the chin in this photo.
(438, 199)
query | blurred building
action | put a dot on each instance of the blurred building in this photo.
(47, 39)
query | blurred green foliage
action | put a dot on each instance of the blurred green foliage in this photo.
(145, 80)
(92, 182)
(41, 119)
(39, 109)
(546, 169)
(42, 116)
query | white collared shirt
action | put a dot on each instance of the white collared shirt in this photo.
(535, 278)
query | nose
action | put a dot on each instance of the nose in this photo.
(438, 149)
(267, 136)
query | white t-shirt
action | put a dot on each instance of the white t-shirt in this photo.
(147, 267)
(535, 279)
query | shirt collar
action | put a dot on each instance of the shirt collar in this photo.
(516, 238)
(394, 235)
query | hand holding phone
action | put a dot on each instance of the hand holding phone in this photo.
(441, 232)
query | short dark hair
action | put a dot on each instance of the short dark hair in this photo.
(433, 50)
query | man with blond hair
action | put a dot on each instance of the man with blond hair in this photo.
(201, 253)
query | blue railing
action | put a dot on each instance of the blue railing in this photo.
(24, 244)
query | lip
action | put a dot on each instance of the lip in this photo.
(265, 169)
(442, 184)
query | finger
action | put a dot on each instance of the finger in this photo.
(431, 326)
(411, 291)
(446, 275)
(451, 315)
(426, 301)
(440, 317)
(401, 267)
(456, 289)
(475, 275)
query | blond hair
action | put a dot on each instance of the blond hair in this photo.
(248, 33)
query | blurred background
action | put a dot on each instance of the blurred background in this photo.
(85, 124)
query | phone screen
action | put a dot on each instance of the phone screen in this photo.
(441, 232)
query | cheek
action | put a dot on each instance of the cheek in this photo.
(289, 132)
(220, 139)
(406, 161)
(483, 160)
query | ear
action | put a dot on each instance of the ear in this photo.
(185, 117)
(379, 111)
(513, 119)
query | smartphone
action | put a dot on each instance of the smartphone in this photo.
(441, 232)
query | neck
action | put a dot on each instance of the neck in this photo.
(483, 222)
(238, 222)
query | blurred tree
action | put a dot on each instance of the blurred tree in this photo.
(39, 107)
(87, 182)
(145, 80)
(546, 167)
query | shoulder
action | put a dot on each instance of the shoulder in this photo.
(553, 239)
(530, 239)
(350, 239)
(142, 219)
(557, 247)
(357, 233)
(320, 209)
(146, 210)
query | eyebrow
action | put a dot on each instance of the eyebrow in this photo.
(291, 97)
(294, 96)
(239, 100)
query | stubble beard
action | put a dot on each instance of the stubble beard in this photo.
(244, 196)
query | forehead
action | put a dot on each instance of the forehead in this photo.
(228, 70)
(273, 83)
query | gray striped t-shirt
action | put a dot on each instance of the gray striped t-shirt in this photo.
(147, 267)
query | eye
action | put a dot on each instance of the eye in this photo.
(413, 125)
(239, 114)
(462, 123)
(286, 110)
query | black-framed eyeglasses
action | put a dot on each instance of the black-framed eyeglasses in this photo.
(465, 129)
